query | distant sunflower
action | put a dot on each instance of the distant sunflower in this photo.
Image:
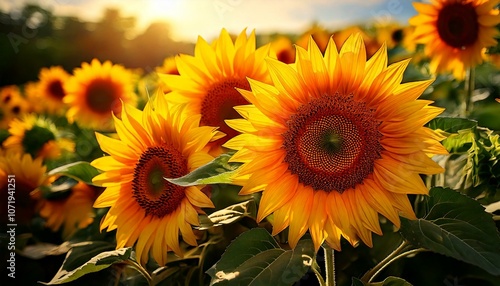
(50, 88)
(395, 35)
(12, 105)
(148, 211)
(208, 80)
(371, 43)
(455, 32)
(36, 136)
(320, 35)
(28, 174)
(95, 91)
(333, 142)
(283, 49)
(72, 212)
(168, 67)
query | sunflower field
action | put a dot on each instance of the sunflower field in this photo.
(356, 155)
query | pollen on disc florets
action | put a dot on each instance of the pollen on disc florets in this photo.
(218, 104)
(332, 143)
(153, 193)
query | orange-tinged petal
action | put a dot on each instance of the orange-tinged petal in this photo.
(318, 219)
(198, 198)
(299, 215)
(276, 194)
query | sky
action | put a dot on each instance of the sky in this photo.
(189, 19)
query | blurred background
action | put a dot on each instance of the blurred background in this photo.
(142, 33)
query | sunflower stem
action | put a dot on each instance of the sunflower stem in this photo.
(317, 272)
(329, 265)
(469, 91)
(382, 264)
(404, 254)
(141, 270)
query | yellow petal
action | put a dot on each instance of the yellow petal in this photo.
(299, 214)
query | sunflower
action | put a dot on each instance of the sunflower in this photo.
(95, 91)
(73, 211)
(320, 35)
(208, 80)
(333, 142)
(148, 211)
(395, 35)
(455, 32)
(12, 105)
(50, 88)
(28, 174)
(283, 49)
(168, 67)
(371, 44)
(36, 136)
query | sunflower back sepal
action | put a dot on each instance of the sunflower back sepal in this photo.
(456, 226)
(472, 165)
(255, 258)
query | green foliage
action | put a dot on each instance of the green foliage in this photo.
(389, 281)
(217, 171)
(81, 171)
(85, 258)
(472, 166)
(460, 239)
(228, 215)
(255, 258)
(457, 226)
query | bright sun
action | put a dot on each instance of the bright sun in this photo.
(163, 9)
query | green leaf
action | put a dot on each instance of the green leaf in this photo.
(59, 189)
(88, 257)
(389, 281)
(81, 171)
(228, 215)
(255, 258)
(452, 124)
(217, 171)
(457, 226)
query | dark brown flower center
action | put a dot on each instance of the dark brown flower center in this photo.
(286, 56)
(153, 193)
(103, 96)
(7, 98)
(218, 104)
(16, 109)
(457, 24)
(56, 90)
(332, 143)
(397, 36)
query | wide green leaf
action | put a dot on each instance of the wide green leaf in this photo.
(88, 257)
(452, 124)
(80, 171)
(255, 258)
(457, 226)
(217, 171)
